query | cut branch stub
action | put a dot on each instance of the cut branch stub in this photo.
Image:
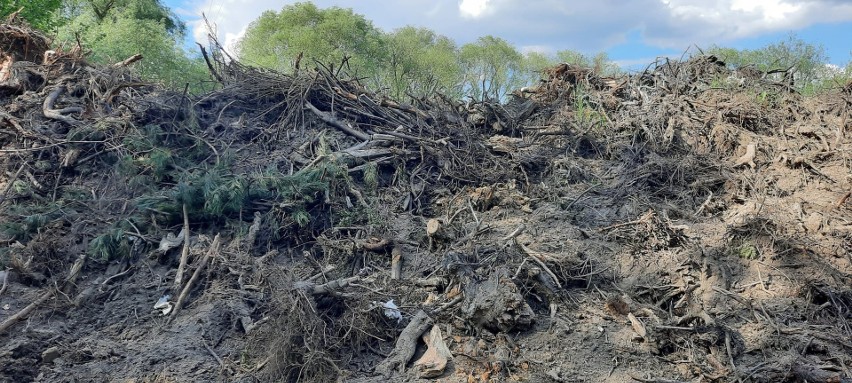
(433, 226)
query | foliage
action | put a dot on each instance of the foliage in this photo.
(277, 39)
(420, 62)
(586, 115)
(537, 61)
(41, 14)
(409, 62)
(102, 10)
(600, 62)
(371, 176)
(32, 219)
(804, 61)
(218, 194)
(116, 30)
(490, 68)
(108, 246)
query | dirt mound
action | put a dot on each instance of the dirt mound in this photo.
(687, 223)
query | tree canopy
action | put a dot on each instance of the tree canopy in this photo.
(804, 61)
(419, 62)
(277, 39)
(409, 62)
(116, 29)
(491, 68)
(41, 14)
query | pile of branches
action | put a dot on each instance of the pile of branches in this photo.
(435, 131)
(329, 201)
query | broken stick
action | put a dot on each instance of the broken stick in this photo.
(330, 287)
(214, 248)
(128, 61)
(396, 262)
(329, 119)
(184, 254)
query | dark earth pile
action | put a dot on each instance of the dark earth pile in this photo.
(687, 223)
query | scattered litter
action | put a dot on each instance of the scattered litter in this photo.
(392, 310)
(164, 305)
(170, 241)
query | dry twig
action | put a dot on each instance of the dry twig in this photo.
(214, 249)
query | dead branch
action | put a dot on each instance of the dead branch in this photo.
(5, 281)
(406, 344)
(11, 181)
(645, 218)
(26, 310)
(252, 233)
(214, 249)
(653, 380)
(336, 123)
(539, 259)
(842, 199)
(377, 246)
(396, 262)
(128, 61)
(329, 287)
(184, 254)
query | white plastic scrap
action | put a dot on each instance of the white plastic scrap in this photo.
(164, 305)
(170, 241)
(392, 310)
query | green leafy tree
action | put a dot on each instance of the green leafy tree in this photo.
(41, 14)
(102, 10)
(277, 39)
(420, 62)
(533, 65)
(491, 68)
(803, 61)
(116, 30)
(600, 63)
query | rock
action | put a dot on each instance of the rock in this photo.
(813, 223)
(49, 355)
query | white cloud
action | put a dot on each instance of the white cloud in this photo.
(588, 26)
(228, 17)
(473, 8)
(231, 40)
(719, 21)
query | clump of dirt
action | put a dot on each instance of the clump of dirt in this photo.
(687, 223)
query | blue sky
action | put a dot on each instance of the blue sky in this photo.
(632, 32)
